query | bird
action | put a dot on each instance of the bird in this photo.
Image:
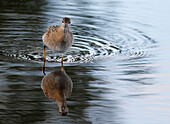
(58, 38)
(58, 86)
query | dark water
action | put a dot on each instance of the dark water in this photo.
(110, 86)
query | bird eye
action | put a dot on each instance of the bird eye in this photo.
(69, 22)
(62, 21)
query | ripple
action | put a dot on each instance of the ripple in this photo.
(87, 49)
(95, 37)
(84, 50)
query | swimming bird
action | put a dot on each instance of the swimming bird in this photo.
(58, 86)
(58, 38)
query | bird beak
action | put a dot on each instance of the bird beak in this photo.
(65, 28)
(63, 114)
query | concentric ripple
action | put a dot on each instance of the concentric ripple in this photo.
(95, 37)
(86, 49)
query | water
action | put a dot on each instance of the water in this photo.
(119, 63)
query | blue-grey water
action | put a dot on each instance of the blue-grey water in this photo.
(119, 63)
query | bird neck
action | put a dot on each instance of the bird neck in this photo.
(64, 28)
(61, 101)
(60, 96)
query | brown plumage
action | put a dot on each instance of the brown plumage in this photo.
(58, 38)
(58, 86)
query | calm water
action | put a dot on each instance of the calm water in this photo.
(111, 86)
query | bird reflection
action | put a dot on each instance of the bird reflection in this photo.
(58, 86)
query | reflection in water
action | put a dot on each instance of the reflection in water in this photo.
(58, 86)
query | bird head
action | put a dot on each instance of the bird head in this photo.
(63, 109)
(66, 22)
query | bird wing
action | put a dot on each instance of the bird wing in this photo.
(50, 32)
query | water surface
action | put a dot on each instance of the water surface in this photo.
(119, 63)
